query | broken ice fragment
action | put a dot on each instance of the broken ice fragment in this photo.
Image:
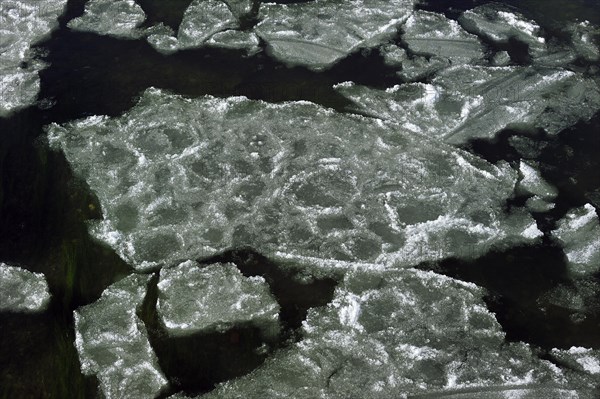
(531, 182)
(240, 8)
(412, 68)
(432, 34)
(409, 332)
(22, 290)
(499, 25)
(578, 360)
(23, 23)
(582, 37)
(112, 342)
(319, 33)
(120, 18)
(183, 178)
(236, 40)
(466, 102)
(194, 298)
(579, 234)
(201, 20)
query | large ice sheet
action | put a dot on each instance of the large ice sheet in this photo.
(182, 178)
(433, 34)
(579, 234)
(120, 18)
(113, 343)
(194, 298)
(406, 333)
(466, 102)
(22, 290)
(319, 33)
(499, 24)
(23, 23)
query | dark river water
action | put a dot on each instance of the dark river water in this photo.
(43, 207)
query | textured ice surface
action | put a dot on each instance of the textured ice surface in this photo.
(201, 20)
(22, 24)
(400, 333)
(580, 359)
(319, 33)
(119, 18)
(22, 290)
(582, 36)
(414, 67)
(579, 234)
(499, 25)
(235, 39)
(194, 298)
(465, 102)
(531, 182)
(432, 34)
(113, 343)
(180, 178)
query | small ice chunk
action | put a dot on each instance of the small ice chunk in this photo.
(23, 23)
(539, 204)
(194, 298)
(531, 182)
(393, 55)
(501, 58)
(22, 290)
(579, 234)
(319, 33)
(405, 331)
(120, 18)
(432, 34)
(498, 24)
(236, 40)
(183, 178)
(112, 342)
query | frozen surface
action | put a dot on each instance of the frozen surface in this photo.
(582, 36)
(495, 23)
(532, 183)
(466, 102)
(413, 67)
(580, 360)
(236, 40)
(194, 298)
(400, 333)
(579, 234)
(113, 343)
(319, 33)
(432, 34)
(23, 23)
(119, 18)
(182, 178)
(22, 290)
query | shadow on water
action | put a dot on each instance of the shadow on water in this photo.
(195, 364)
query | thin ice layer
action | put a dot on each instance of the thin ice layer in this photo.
(23, 23)
(466, 102)
(432, 34)
(235, 40)
(182, 178)
(113, 342)
(22, 290)
(400, 333)
(579, 234)
(319, 33)
(120, 18)
(194, 298)
(499, 24)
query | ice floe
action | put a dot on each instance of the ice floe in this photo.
(183, 178)
(319, 33)
(120, 18)
(22, 290)
(465, 102)
(23, 23)
(205, 299)
(533, 183)
(407, 333)
(579, 234)
(113, 345)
